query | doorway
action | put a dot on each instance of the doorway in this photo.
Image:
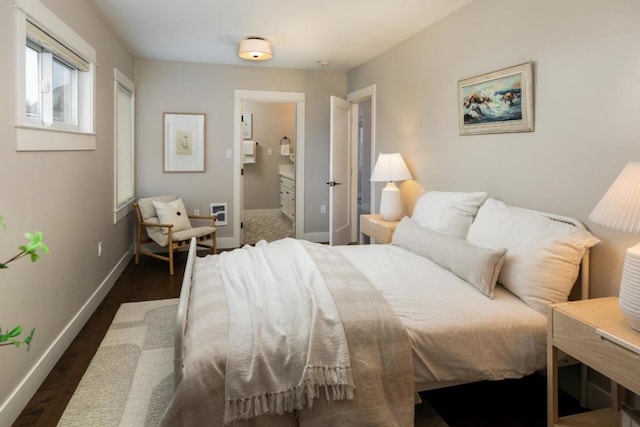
(268, 179)
(256, 98)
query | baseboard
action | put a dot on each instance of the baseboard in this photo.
(15, 403)
(318, 237)
(226, 243)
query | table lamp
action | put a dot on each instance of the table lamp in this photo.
(619, 209)
(389, 168)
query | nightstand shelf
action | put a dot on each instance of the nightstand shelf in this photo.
(376, 228)
(596, 333)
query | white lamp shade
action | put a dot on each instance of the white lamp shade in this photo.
(255, 49)
(619, 209)
(390, 167)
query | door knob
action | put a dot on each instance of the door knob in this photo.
(333, 183)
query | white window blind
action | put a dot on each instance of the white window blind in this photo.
(124, 146)
(44, 39)
(124, 132)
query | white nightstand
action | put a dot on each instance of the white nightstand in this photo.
(596, 333)
(376, 228)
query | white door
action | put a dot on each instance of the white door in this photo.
(339, 173)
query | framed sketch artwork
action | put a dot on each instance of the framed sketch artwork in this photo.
(497, 102)
(184, 147)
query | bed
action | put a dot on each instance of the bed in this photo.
(459, 296)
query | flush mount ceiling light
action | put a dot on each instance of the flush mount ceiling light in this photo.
(255, 49)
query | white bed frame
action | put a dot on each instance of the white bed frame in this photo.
(183, 308)
(185, 294)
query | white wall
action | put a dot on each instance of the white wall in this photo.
(68, 195)
(164, 86)
(587, 114)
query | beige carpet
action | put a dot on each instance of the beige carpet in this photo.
(129, 381)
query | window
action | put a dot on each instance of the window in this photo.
(125, 145)
(55, 82)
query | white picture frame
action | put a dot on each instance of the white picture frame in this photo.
(184, 146)
(497, 102)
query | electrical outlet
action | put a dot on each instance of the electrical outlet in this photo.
(196, 211)
(323, 208)
(100, 248)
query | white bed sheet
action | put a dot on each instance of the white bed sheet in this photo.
(457, 333)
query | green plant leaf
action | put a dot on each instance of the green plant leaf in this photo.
(2, 223)
(15, 332)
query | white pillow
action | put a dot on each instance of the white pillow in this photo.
(448, 212)
(478, 266)
(172, 212)
(544, 255)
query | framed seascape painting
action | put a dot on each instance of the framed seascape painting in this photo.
(497, 102)
(184, 142)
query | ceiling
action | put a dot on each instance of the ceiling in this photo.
(346, 33)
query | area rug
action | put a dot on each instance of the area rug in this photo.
(129, 381)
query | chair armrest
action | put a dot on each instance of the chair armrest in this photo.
(211, 218)
(202, 217)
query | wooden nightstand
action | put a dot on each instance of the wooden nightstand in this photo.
(376, 228)
(596, 333)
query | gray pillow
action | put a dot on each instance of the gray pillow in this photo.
(478, 266)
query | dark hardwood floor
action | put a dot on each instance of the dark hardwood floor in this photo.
(149, 280)
(511, 403)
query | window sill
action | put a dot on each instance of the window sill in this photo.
(33, 138)
(124, 210)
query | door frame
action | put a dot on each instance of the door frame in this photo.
(355, 97)
(297, 98)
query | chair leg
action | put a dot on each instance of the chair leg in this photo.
(138, 244)
(214, 246)
(170, 259)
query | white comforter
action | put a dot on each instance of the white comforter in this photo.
(457, 334)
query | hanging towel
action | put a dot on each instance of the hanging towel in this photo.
(249, 148)
(284, 150)
(249, 152)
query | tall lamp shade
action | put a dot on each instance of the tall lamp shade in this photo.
(389, 168)
(619, 209)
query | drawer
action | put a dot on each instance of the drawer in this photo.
(376, 231)
(287, 183)
(581, 340)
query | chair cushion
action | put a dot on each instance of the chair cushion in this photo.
(193, 232)
(172, 212)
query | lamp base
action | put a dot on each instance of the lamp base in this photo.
(390, 205)
(629, 300)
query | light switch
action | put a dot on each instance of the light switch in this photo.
(229, 154)
(269, 152)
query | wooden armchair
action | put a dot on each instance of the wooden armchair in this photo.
(173, 231)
